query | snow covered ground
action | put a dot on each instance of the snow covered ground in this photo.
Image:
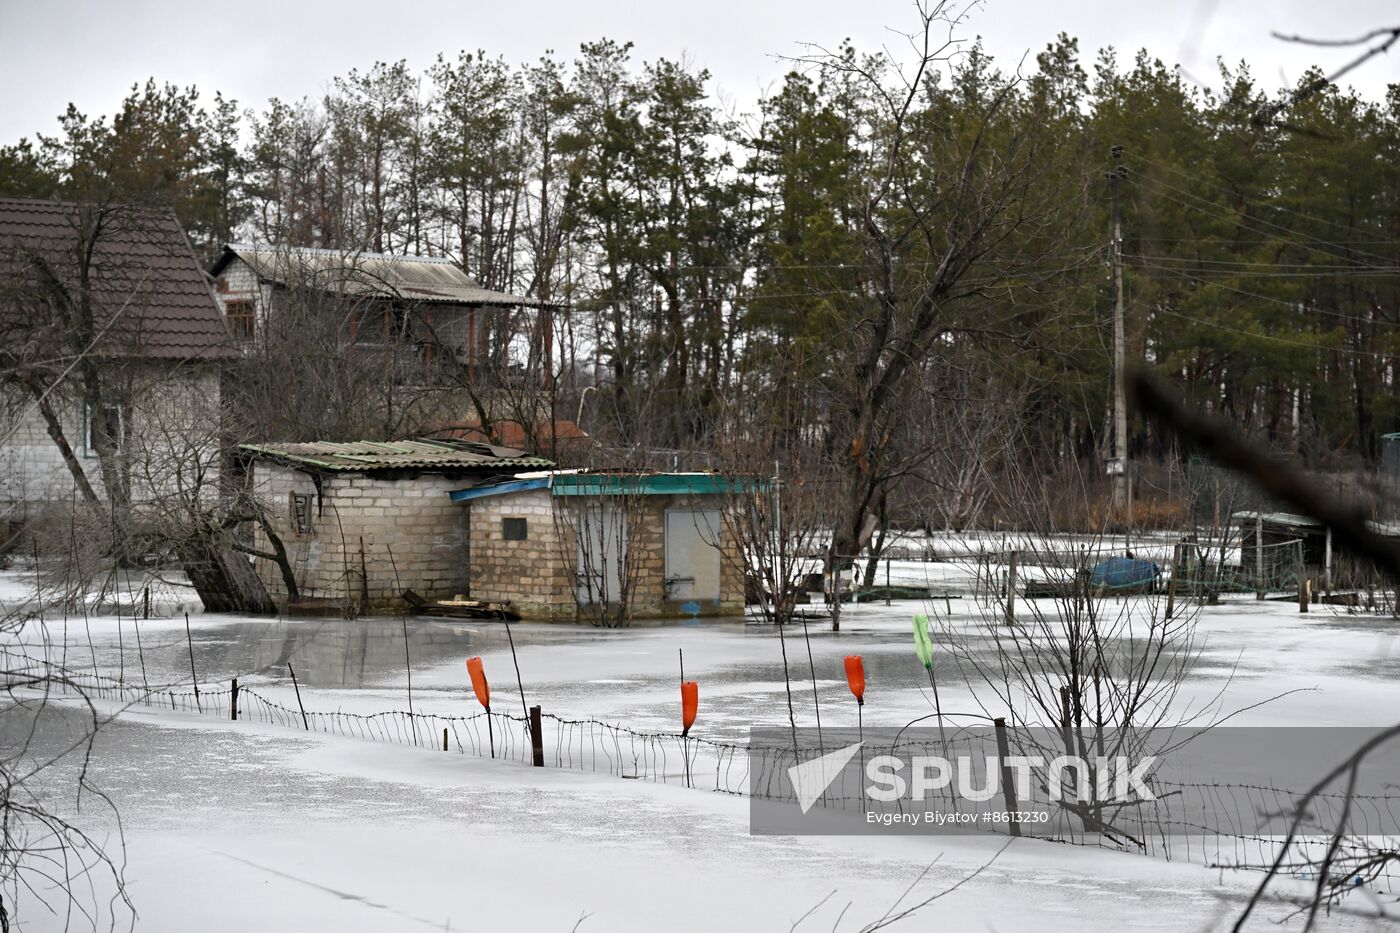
(231, 825)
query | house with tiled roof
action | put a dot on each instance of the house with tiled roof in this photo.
(112, 350)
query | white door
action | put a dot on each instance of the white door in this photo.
(692, 554)
(602, 545)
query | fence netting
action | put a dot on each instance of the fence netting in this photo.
(1203, 823)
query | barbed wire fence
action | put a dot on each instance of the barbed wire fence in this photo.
(1211, 824)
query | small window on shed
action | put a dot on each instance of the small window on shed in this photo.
(515, 529)
(300, 506)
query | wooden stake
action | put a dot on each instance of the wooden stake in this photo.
(1327, 563)
(1008, 787)
(1259, 555)
(189, 643)
(444, 738)
(141, 655)
(685, 742)
(1067, 727)
(1171, 583)
(233, 701)
(408, 668)
(291, 670)
(536, 738)
(938, 712)
(860, 733)
(520, 683)
(1067, 722)
(816, 701)
(121, 643)
(1011, 588)
(1304, 594)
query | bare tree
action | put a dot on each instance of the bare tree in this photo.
(49, 858)
(950, 214)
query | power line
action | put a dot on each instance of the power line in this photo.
(1256, 201)
(1293, 306)
(1315, 268)
(1268, 274)
(1245, 220)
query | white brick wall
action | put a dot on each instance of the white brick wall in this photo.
(238, 282)
(171, 418)
(411, 518)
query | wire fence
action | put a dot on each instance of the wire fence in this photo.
(1214, 824)
(1041, 568)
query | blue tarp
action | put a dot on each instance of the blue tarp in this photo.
(1116, 572)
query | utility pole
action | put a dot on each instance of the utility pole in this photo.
(1118, 466)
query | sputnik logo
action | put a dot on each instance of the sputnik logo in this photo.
(811, 778)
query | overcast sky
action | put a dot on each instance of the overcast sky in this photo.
(90, 51)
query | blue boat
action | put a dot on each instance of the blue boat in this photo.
(1124, 573)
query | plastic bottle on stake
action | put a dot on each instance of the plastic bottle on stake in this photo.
(690, 705)
(855, 677)
(479, 684)
(483, 696)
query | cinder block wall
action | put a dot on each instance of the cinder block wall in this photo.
(414, 536)
(538, 575)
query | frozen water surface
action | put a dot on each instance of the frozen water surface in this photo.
(230, 824)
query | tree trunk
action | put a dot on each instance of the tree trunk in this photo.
(224, 578)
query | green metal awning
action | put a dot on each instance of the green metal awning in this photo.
(653, 484)
(618, 484)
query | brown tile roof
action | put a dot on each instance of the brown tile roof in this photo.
(422, 456)
(512, 433)
(151, 297)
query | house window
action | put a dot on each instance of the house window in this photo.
(242, 319)
(300, 508)
(111, 418)
(515, 529)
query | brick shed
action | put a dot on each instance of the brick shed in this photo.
(588, 545)
(363, 521)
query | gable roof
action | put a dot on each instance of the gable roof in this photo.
(410, 278)
(422, 456)
(151, 298)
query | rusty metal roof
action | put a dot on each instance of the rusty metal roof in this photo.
(350, 272)
(424, 456)
(150, 297)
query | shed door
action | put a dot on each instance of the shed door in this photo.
(692, 554)
(602, 546)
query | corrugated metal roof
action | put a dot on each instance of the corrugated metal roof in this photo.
(1279, 518)
(151, 297)
(419, 455)
(411, 278)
